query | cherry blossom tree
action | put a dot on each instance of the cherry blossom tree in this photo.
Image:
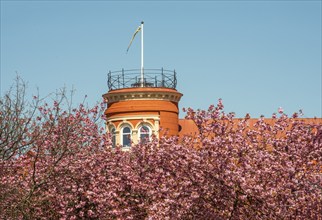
(57, 162)
(34, 143)
(274, 168)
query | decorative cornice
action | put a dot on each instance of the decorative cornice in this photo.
(143, 95)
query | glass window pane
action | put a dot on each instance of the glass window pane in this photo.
(126, 140)
(144, 134)
(113, 137)
(126, 136)
(144, 130)
(126, 130)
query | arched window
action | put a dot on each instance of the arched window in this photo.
(126, 136)
(144, 133)
(113, 136)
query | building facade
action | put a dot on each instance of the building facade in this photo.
(139, 108)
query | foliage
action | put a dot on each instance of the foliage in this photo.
(59, 164)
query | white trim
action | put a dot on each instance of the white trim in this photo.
(139, 130)
(137, 117)
(113, 136)
(126, 125)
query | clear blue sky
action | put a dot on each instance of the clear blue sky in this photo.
(255, 55)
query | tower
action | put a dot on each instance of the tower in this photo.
(138, 108)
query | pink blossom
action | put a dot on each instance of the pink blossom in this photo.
(232, 169)
(280, 110)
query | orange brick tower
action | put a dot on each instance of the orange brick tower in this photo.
(138, 108)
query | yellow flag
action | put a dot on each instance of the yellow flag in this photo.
(137, 30)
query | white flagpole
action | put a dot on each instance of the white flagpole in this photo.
(142, 68)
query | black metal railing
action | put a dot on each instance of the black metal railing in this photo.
(132, 78)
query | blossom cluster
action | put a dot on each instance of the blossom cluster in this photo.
(62, 166)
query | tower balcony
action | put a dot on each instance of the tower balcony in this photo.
(155, 78)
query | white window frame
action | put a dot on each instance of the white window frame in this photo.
(122, 135)
(113, 136)
(139, 131)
